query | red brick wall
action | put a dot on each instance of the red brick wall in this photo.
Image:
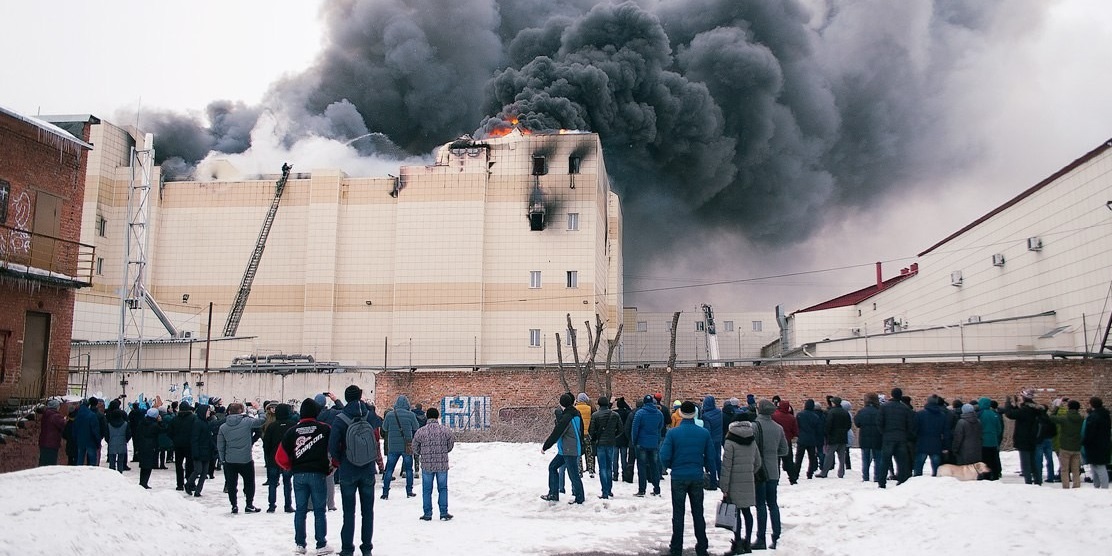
(1078, 379)
(36, 161)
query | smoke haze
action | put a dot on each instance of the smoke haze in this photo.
(731, 129)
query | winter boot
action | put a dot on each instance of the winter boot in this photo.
(759, 544)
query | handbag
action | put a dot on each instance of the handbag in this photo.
(726, 515)
(408, 443)
(760, 475)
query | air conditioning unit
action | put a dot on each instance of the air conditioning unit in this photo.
(1034, 244)
(855, 331)
(955, 278)
(974, 319)
(998, 259)
(187, 334)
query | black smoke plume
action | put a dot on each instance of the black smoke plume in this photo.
(735, 118)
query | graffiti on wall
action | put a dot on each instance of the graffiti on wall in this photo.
(13, 242)
(465, 412)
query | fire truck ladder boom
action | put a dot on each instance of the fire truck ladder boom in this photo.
(235, 313)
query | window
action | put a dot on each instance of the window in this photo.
(573, 221)
(573, 278)
(729, 325)
(642, 326)
(758, 326)
(5, 192)
(534, 279)
(573, 164)
(100, 266)
(540, 166)
(102, 226)
(700, 326)
(534, 337)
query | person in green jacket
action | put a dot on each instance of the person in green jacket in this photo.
(992, 432)
(1069, 438)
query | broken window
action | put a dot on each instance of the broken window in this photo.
(102, 226)
(573, 164)
(540, 166)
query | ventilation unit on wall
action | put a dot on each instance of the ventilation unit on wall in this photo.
(855, 331)
(974, 319)
(955, 278)
(998, 259)
(1034, 244)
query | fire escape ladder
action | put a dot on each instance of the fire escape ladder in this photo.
(235, 313)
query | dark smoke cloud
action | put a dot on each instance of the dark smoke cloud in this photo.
(719, 118)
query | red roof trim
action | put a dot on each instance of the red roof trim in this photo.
(853, 298)
(1071, 167)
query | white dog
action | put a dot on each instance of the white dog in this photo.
(971, 472)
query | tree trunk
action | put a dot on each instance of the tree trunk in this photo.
(671, 359)
(560, 364)
(579, 373)
(594, 340)
(611, 345)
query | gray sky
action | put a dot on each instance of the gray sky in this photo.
(1033, 98)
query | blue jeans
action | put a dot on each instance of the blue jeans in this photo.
(606, 455)
(921, 458)
(273, 474)
(567, 462)
(441, 491)
(310, 487)
(870, 457)
(1045, 449)
(648, 469)
(362, 484)
(88, 455)
(621, 461)
(693, 491)
(716, 460)
(407, 470)
(766, 506)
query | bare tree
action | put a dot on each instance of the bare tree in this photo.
(611, 345)
(593, 340)
(671, 358)
(580, 373)
(560, 364)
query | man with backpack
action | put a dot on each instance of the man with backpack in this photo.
(433, 442)
(354, 445)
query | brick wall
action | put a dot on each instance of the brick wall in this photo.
(15, 301)
(1078, 379)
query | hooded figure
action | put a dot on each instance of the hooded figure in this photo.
(740, 461)
(967, 437)
(398, 427)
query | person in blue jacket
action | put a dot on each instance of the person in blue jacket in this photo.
(712, 421)
(687, 452)
(87, 433)
(567, 436)
(811, 432)
(645, 436)
(933, 437)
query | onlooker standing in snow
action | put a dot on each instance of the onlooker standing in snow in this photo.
(773, 446)
(712, 421)
(687, 452)
(837, 426)
(869, 436)
(1097, 441)
(605, 428)
(149, 430)
(357, 482)
(1069, 441)
(810, 438)
(433, 442)
(273, 433)
(787, 421)
(398, 426)
(203, 450)
(1025, 436)
(50, 433)
(328, 417)
(622, 444)
(304, 452)
(992, 432)
(233, 444)
(567, 435)
(87, 433)
(583, 405)
(645, 437)
(932, 436)
(897, 427)
(967, 437)
(740, 460)
(422, 420)
(119, 433)
(181, 432)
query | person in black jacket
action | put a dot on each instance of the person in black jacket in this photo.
(810, 437)
(606, 427)
(1096, 441)
(622, 443)
(897, 428)
(272, 438)
(147, 433)
(134, 417)
(836, 430)
(1026, 432)
(181, 433)
(202, 450)
(304, 453)
(869, 435)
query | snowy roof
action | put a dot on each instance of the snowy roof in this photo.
(46, 127)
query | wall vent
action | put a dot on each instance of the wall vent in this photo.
(1034, 244)
(955, 278)
(998, 259)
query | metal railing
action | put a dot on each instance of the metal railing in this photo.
(45, 257)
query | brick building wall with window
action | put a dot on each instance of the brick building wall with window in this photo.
(42, 175)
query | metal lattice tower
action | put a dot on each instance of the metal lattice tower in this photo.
(134, 290)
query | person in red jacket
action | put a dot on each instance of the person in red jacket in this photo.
(304, 452)
(786, 419)
(50, 435)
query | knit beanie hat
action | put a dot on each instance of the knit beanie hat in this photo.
(750, 399)
(566, 400)
(53, 404)
(309, 408)
(648, 399)
(765, 407)
(352, 393)
(687, 410)
(320, 400)
(897, 394)
(603, 401)
(582, 397)
(734, 402)
(967, 408)
(152, 413)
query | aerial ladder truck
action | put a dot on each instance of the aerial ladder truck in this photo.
(235, 313)
(712, 337)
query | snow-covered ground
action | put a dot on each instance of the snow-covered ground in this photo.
(494, 495)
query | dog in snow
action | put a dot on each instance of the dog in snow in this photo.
(971, 472)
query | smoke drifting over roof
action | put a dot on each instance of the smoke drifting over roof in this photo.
(750, 119)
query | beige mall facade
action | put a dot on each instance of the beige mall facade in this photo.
(439, 266)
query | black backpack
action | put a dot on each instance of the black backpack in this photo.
(1047, 429)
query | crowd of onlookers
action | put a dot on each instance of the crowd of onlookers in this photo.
(742, 447)
(308, 451)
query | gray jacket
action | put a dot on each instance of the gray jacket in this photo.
(740, 460)
(236, 436)
(774, 445)
(398, 426)
(117, 438)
